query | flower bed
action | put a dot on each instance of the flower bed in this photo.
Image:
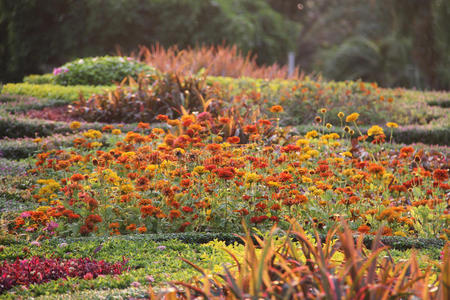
(190, 179)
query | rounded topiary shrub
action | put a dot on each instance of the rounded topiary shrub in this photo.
(103, 70)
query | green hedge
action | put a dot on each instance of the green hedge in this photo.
(39, 79)
(51, 91)
(399, 243)
(19, 104)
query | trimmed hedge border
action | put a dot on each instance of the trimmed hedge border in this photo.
(53, 91)
(19, 127)
(399, 243)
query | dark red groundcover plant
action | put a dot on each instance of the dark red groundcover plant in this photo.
(40, 270)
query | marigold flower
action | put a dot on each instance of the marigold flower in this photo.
(233, 140)
(116, 131)
(352, 117)
(77, 177)
(392, 125)
(75, 125)
(276, 109)
(340, 115)
(162, 118)
(375, 130)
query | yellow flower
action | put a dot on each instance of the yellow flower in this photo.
(252, 177)
(126, 188)
(37, 140)
(157, 131)
(199, 169)
(329, 125)
(375, 130)
(352, 118)
(392, 125)
(302, 142)
(92, 134)
(116, 131)
(400, 233)
(96, 144)
(311, 134)
(340, 115)
(151, 168)
(313, 153)
(306, 179)
(273, 184)
(347, 154)
(323, 110)
(75, 125)
(217, 139)
(178, 150)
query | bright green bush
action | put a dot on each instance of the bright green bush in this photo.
(99, 70)
(69, 93)
(39, 79)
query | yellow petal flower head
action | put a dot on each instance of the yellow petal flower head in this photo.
(375, 130)
(392, 125)
(352, 118)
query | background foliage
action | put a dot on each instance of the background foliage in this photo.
(393, 42)
(35, 35)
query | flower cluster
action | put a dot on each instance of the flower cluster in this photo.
(38, 270)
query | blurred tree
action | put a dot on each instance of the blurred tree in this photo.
(394, 42)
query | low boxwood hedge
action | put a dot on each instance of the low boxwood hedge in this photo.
(52, 91)
(400, 243)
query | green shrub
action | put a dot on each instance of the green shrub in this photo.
(50, 91)
(39, 79)
(103, 70)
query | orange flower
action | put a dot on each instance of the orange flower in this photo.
(77, 177)
(142, 125)
(363, 229)
(162, 118)
(276, 109)
(233, 140)
(131, 227)
(142, 229)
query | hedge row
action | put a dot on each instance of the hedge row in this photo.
(19, 104)
(52, 91)
(399, 243)
(26, 147)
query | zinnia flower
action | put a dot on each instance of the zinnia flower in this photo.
(375, 130)
(352, 118)
(276, 109)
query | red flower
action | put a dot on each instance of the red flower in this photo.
(440, 175)
(226, 173)
(163, 118)
(187, 209)
(142, 125)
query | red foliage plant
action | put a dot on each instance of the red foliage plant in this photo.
(38, 270)
(214, 60)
